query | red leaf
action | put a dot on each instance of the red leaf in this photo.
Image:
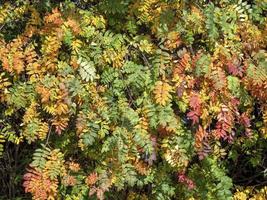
(244, 120)
(193, 116)
(234, 70)
(195, 101)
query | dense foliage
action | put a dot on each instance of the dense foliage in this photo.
(133, 99)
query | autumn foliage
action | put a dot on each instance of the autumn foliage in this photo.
(133, 99)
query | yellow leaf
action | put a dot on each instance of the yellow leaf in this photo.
(162, 92)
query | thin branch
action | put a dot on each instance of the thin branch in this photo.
(48, 136)
(2, 27)
(260, 184)
(146, 61)
(250, 178)
(128, 92)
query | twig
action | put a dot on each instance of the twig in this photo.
(48, 136)
(249, 178)
(130, 95)
(146, 61)
(2, 27)
(191, 50)
(260, 184)
(128, 92)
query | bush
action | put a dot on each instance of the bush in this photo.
(133, 99)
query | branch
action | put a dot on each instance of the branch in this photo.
(2, 27)
(48, 136)
(146, 61)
